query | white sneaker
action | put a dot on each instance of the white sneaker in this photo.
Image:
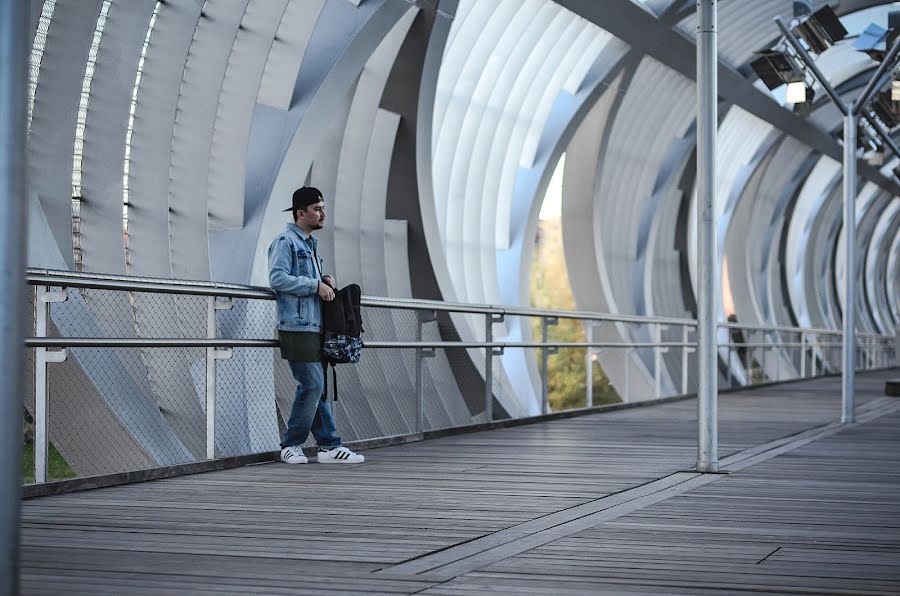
(293, 455)
(339, 455)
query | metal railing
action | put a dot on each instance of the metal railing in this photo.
(219, 298)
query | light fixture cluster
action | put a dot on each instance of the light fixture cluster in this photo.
(781, 66)
(791, 63)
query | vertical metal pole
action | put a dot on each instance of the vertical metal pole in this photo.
(210, 379)
(897, 346)
(802, 355)
(545, 361)
(748, 358)
(41, 397)
(777, 353)
(545, 374)
(684, 359)
(212, 355)
(43, 298)
(422, 317)
(813, 349)
(707, 288)
(627, 395)
(589, 378)
(420, 393)
(657, 362)
(489, 368)
(848, 414)
(13, 190)
(728, 368)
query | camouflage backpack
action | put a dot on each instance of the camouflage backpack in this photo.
(342, 327)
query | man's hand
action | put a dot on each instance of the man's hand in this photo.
(325, 292)
(330, 281)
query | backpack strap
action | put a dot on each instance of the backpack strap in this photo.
(334, 379)
(325, 365)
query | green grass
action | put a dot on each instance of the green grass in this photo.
(57, 468)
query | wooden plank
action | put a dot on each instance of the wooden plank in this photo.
(824, 516)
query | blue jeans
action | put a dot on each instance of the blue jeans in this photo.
(310, 411)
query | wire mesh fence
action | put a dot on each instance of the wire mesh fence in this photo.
(147, 373)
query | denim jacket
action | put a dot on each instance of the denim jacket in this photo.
(295, 278)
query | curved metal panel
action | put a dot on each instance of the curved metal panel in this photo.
(800, 253)
(875, 269)
(287, 50)
(893, 280)
(192, 134)
(102, 244)
(56, 101)
(868, 196)
(154, 121)
(231, 133)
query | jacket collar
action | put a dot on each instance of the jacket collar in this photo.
(292, 227)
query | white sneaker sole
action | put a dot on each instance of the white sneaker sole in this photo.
(295, 460)
(340, 461)
(303, 461)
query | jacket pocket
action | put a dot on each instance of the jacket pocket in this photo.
(305, 264)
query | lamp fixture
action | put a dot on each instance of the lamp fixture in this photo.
(774, 68)
(820, 30)
(796, 92)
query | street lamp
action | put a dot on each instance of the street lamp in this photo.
(852, 113)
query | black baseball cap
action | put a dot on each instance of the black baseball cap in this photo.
(304, 197)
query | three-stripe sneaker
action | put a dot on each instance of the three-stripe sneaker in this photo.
(339, 455)
(293, 455)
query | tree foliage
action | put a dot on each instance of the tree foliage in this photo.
(550, 288)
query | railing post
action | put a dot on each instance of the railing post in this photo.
(777, 355)
(422, 317)
(545, 359)
(685, 334)
(728, 368)
(627, 396)
(489, 353)
(212, 355)
(802, 355)
(657, 361)
(44, 297)
(589, 378)
(814, 348)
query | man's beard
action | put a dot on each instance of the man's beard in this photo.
(319, 225)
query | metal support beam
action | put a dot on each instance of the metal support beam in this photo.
(863, 99)
(877, 79)
(638, 27)
(707, 288)
(13, 190)
(848, 396)
(851, 114)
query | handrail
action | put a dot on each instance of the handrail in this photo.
(54, 349)
(67, 279)
(810, 330)
(172, 342)
(57, 278)
(137, 284)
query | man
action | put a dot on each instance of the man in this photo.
(295, 273)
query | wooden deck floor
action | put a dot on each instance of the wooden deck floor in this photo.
(604, 503)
